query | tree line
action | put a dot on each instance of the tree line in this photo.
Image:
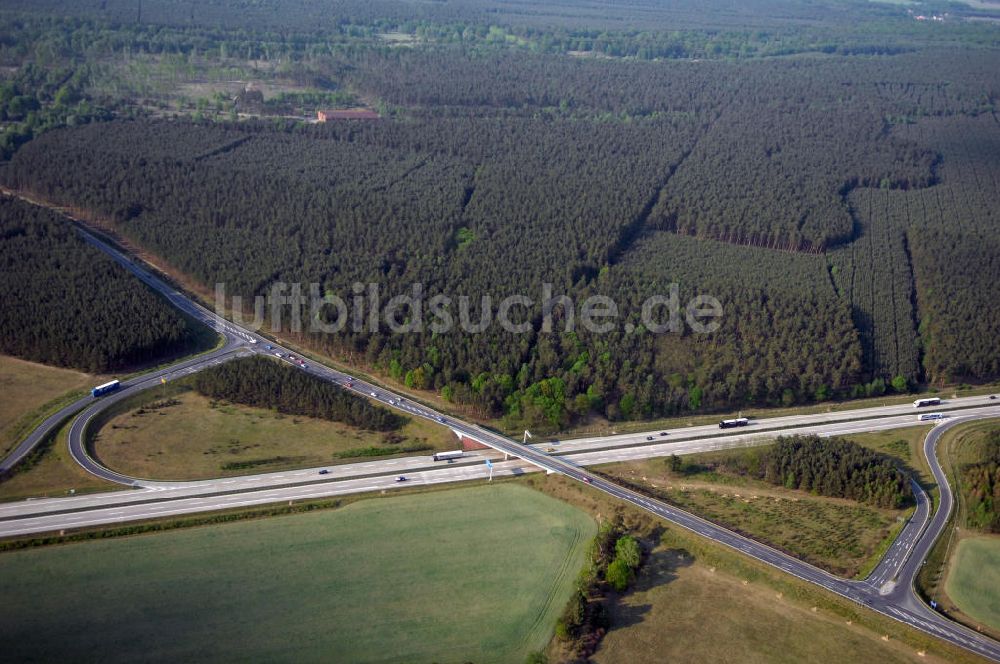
(613, 561)
(833, 467)
(265, 383)
(629, 28)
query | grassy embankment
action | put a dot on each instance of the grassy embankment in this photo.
(841, 536)
(32, 392)
(175, 433)
(51, 472)
(973, 580)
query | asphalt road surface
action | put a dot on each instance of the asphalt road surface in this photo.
(893, 597)
(233, 340)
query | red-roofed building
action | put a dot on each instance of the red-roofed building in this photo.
(347, 114)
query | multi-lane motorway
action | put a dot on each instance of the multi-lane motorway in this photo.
(889, 590)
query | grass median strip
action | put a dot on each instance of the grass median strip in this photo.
(173, 433)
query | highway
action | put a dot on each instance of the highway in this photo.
(895, 599)
(864, 415)
(418, 469)
(161, 499)
(233, 340)
(900, 603)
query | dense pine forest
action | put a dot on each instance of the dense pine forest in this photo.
(65, 303)
(305, 15)
(838, 197)
(265, 383)
(833, 467)
(836, 467)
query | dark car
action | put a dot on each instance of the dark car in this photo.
(649, 438)
(663, 433)
(324, 472)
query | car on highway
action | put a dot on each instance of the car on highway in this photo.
(550, 449)
(400, 478)
(324, 472)
(649, 438)
(268, 347)
(993, 396)
(587, 480)
(291, 357)
(439, 419)
(373, 394)
(663, 433)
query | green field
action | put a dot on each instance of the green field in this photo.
(974, 579)
(476, 574)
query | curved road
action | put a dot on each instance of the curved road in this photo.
(234, 339)
(898, 602)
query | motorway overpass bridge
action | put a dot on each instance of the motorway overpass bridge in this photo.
(900, 604)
